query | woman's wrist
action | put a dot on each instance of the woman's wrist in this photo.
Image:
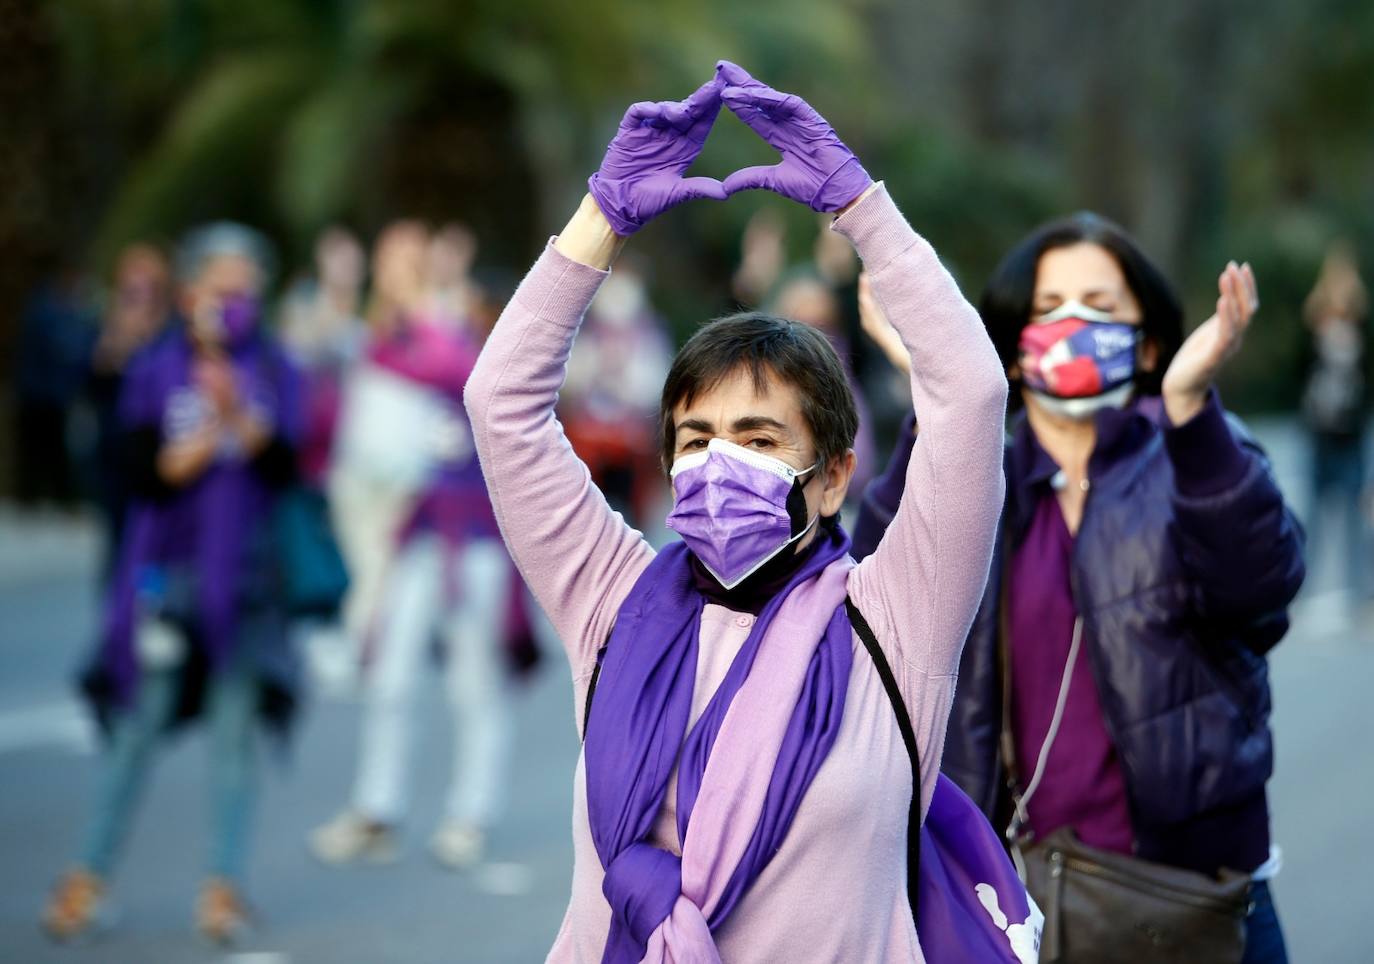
(588, 238)
(872, 186)
(1182, 405)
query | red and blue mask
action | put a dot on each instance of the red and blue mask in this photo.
(1077, 360)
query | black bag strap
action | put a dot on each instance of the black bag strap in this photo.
(894, 696)
(591, 688)
(913, 752)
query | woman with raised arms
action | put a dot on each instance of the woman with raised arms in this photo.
(745, 786)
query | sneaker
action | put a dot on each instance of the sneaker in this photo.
(221, 916)
(352, 837)
(457, 845)
(77, 906)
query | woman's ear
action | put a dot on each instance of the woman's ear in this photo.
(1148, 359)
(838, 473)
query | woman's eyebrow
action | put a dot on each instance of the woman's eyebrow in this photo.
(695, 425)
(752, 423)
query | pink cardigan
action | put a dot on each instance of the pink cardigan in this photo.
(836, 891)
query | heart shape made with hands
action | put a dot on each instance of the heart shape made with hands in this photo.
(641, 175)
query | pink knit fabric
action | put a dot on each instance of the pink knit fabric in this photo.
(837, 888)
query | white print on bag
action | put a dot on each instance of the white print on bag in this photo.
(1023, 937)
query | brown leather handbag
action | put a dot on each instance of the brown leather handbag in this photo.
(1102, 907)
(1108, 907)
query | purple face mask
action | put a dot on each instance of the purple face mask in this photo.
(238, 317)
(736, 509)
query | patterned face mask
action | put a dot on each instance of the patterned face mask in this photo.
(1077, 360)
(736, 508)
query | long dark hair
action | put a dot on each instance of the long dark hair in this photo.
(1008, 298)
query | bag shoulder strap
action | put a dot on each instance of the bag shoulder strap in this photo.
(591, 687)
(894, 696)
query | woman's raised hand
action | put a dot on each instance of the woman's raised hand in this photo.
(816, 169)
(641, 174)
(1216, 340)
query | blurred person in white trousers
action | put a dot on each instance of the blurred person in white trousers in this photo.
(449, 578)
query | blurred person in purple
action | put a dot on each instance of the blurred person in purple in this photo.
(193, 627)
(610, 399)
(1114, 690)
(448, 577)
(139, 308)
(1336, 406)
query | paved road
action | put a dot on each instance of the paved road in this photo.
(509, 909)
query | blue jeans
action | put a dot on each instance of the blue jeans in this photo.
(230, 708)
(1263, 936)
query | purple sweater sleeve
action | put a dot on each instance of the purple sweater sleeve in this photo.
(1241, 543)
(921, 586)
(1206, 457)
(577, 555)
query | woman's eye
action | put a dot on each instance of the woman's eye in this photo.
(761, 443)
(697, 443)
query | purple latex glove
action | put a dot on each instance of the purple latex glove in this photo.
(641, 174)
(816, 168)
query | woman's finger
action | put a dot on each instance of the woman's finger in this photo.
(705, 98)
(735, 76)
(1249, 273)
(639, 113)
(755, 118)
(775, 102)
(676, 115)
(763, 177)
(698, 188)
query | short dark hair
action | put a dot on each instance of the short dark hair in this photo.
(794, 353)
(1007, 300)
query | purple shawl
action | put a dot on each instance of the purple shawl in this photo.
(637, 726)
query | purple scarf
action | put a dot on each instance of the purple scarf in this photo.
(637, 726)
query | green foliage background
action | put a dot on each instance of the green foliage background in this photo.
(1211, 129)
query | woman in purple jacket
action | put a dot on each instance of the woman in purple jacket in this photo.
(1142, 573)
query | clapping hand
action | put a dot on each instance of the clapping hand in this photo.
(1215, 341)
